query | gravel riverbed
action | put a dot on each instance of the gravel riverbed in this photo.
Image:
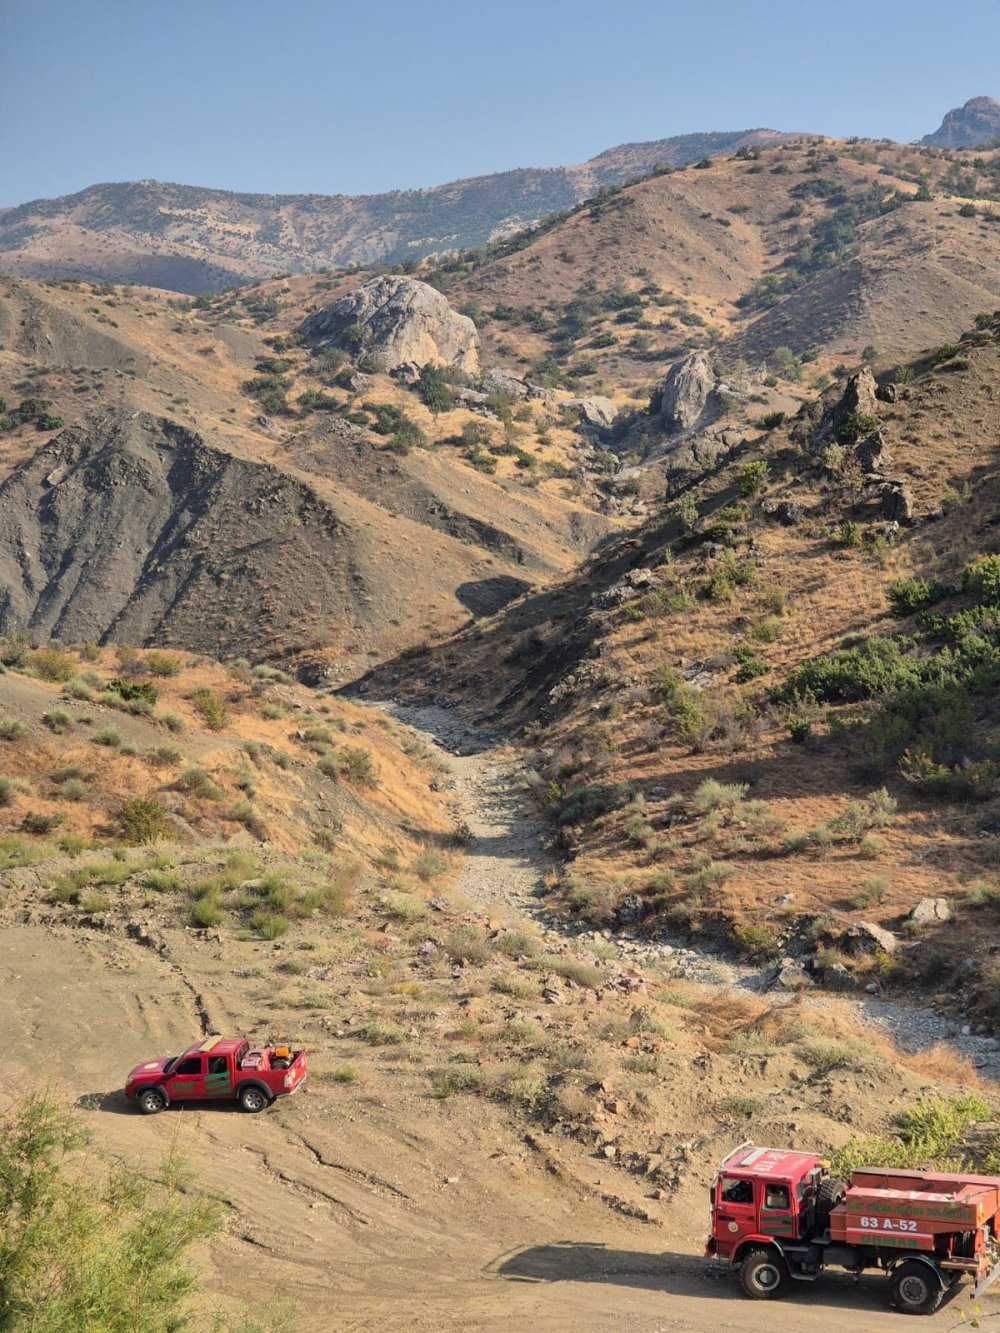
(505, 867)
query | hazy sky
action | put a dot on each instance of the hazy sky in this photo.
(334, 97)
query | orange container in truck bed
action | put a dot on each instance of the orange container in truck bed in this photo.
(907, 1209)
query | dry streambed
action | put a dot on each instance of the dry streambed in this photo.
(505, 869)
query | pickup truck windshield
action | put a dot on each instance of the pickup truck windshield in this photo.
(170, 1063)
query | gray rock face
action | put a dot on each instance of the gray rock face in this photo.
(897, 503)
(396, 320)
(597, 412)
(505, 382)
(686, 391)
(837, 977)
(131, 526)
(859, 400)
(864, 937)
(966, 126)
(930, 911)
(872, 453)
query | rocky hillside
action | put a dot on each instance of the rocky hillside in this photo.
(190, 239)
(967, 126)
(170, 478)
(768, 717)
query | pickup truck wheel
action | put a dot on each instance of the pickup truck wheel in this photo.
(152, 1101)
(763, 1275)
(253, 1100)
(914, 1288)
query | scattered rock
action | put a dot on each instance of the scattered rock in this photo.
(929, 911)
(791, 975)
(630, 910)
(872, 453)
(897, 503)
(838, 977)
(396, 320)
(887, 393)
(597, 412)
(496, 380)
(864, 937)
(788, 512)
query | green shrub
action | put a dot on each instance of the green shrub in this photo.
(269, 926)
(50, 664)
(71, 790)
(711, 795)
(107, 736)
(57, 721)
(877, 667)
(981, 580)
(82, 1241)
(11, 729)
(758, 943)
(161, 664)
(753, 478)
(143, 820)
(428, 864)
(356, 765)
(206, 912)
(907, 596)
(467, 943)
(38, 824)
(210, 708)
(197, 782)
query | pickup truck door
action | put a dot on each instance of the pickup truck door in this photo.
(219, 1079)
(186, 1081)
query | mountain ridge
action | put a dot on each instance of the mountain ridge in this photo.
(194, 238)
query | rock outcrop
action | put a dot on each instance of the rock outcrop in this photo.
(850, 416)
(598, 413)
(686, 392)
(966, 126)
(396, 321)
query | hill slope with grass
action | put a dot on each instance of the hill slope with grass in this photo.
(189, 239)
(767, 716)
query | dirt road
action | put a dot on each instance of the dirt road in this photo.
(371, 1205)
(375, 1213)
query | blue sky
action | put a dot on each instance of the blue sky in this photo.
(306, 96)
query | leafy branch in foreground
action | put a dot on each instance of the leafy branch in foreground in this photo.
(84, 1245)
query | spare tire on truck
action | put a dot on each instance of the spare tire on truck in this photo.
(830, 1193)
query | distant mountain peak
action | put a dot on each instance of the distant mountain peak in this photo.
(969, 125)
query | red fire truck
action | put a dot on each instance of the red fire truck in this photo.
(780, 1218)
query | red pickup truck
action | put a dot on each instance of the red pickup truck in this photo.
(218, 1069)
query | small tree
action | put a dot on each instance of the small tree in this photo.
(85, 1249)
(753, 477)
(434, 390)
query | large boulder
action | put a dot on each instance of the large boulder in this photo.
(686, 391)
(896, 503)
(396, 320)
(931, 911)
(864, 937)
(846, 419)
(597, 412)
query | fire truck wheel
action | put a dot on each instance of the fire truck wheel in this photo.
(152, 1101)
(914, 1288)
(763, 1275)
